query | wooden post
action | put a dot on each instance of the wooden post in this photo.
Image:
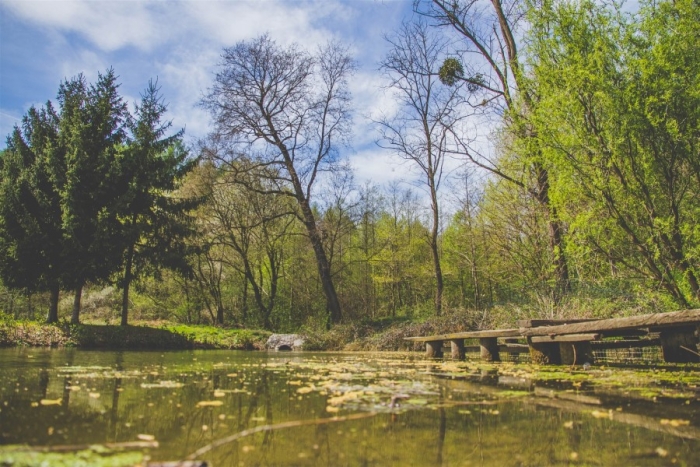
(457, 346)
(576, 353)
(433, 349)
(544, 353)
(489, 349)
(679, 345)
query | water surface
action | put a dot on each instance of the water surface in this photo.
(414, 412)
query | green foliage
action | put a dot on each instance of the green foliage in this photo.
(81, 185)
(619, 120)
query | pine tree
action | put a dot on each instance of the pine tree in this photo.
(31, 170)
(155, 223)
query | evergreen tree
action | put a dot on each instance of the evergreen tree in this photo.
(154, 222)
(31, 170)
(93, 130)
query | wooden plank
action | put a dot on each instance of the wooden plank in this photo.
(565, 338)
(674, 318)
(533, 323)
(467, 335)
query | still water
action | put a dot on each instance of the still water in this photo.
(391, 409)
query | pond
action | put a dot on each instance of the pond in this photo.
(335, 409)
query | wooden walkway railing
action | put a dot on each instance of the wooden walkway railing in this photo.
(571, 342)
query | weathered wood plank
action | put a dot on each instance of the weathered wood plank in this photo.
(467, 335)
(533, 323)
(671, 319)
(565, 338)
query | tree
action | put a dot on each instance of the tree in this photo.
(287, 110)
(621, 125)
(155, 220)
(253, 226)
(429, 113)
(32, 169)
(93, 130)
(495, 78)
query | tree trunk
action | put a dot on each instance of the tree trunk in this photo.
(434, 247)
(556, 236)
(52, 317)
(438, 276)
(75, 316)
(324, 270)
(219, 313)
(127, 284)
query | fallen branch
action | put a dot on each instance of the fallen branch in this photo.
(691, 351)
(82, 447)
(278, 426)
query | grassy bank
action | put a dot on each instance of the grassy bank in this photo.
(141, 336)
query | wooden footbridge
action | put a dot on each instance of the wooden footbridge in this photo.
(571, 342)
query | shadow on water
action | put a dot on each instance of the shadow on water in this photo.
(278, 409)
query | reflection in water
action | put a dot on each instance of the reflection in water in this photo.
(187, 400)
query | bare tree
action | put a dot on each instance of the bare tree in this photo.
(492, 70)
(429, 110)
(287, 110)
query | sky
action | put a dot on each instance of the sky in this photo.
(179, 43)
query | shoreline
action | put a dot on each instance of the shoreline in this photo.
(132, 337)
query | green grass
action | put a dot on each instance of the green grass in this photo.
(144, 336)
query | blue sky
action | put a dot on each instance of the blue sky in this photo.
(179, 42)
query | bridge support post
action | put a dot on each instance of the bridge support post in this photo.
(457, 346)
(679, 345)
(489, 349)
(433, 349)
(576, 353)
(544, 353)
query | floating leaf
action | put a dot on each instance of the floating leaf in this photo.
(675, 422)
(50, 401)
(162, 384)
(209, 403)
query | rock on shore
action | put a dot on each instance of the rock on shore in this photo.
(285, 342)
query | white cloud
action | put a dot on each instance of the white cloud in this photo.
(110, 25)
